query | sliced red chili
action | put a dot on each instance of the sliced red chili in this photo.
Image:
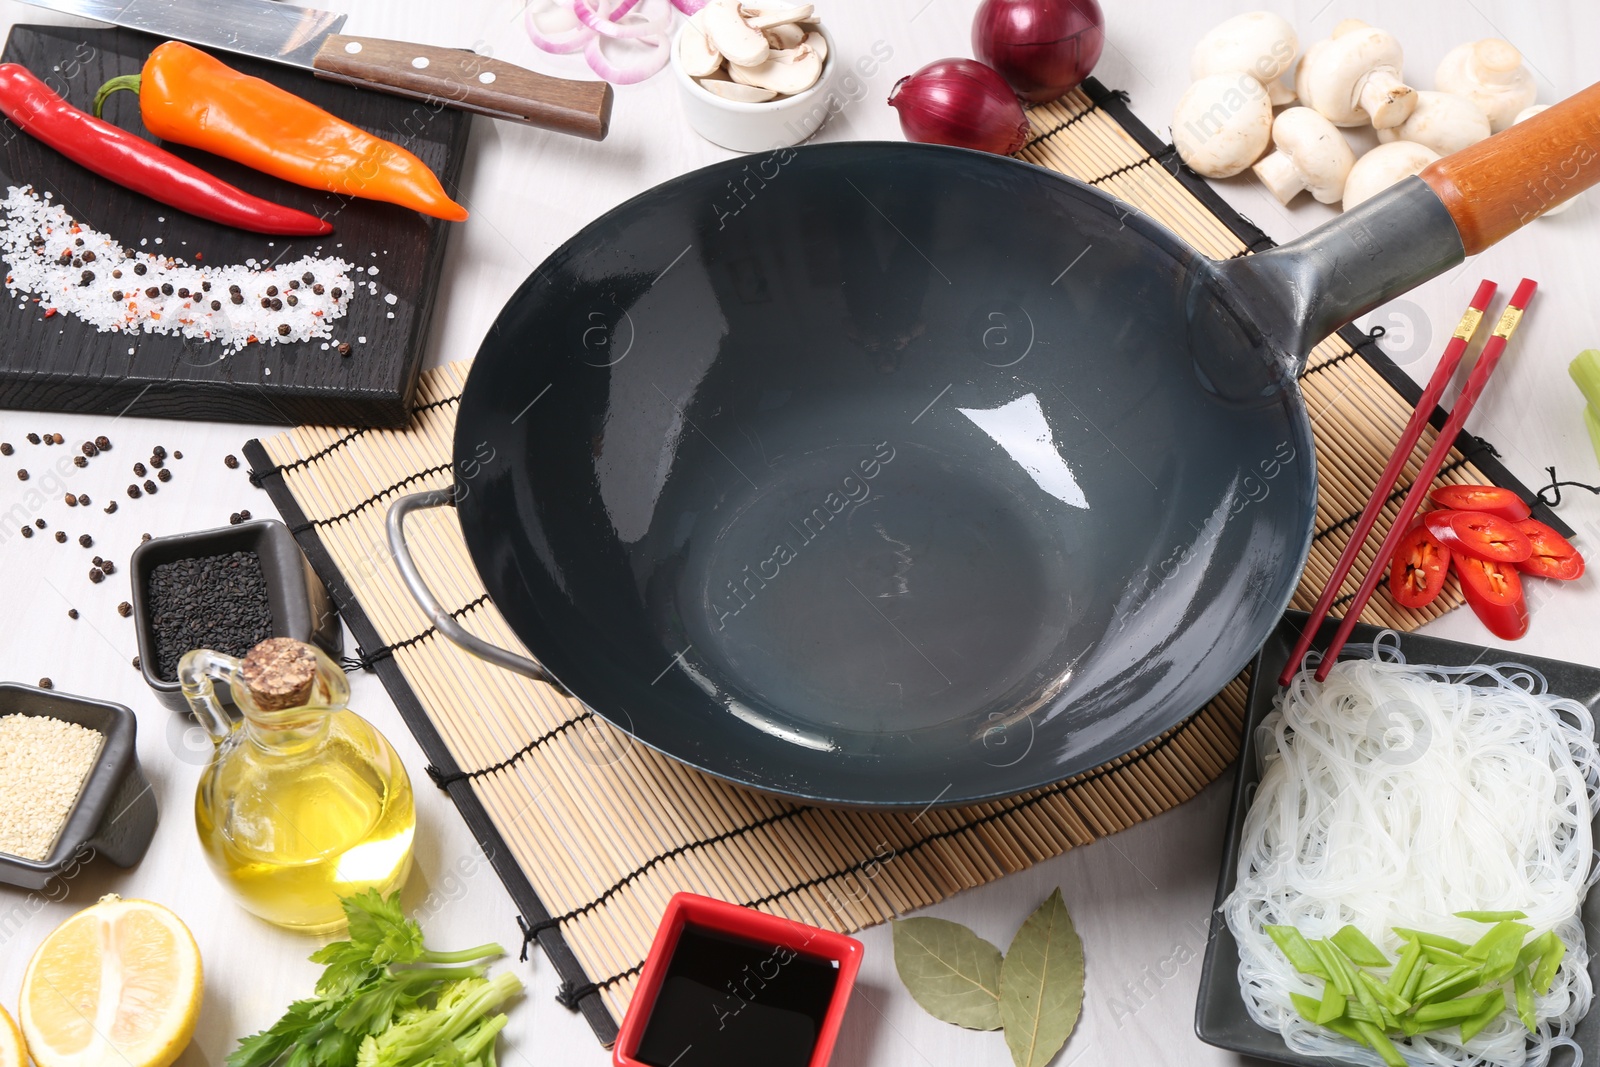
(1418, 567)
(1480, 535)
(1494, 592)
(1490, 498)
(1553, 555)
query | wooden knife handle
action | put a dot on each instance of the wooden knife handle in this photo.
(464, 80)
(1501, 184)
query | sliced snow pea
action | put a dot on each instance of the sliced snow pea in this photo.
(1491, 916)
(1470, 1028)
(1332, 1006)
(1330, 958)
(1523, 989)
(1549, 961)
(1292, 943)
(1434, 940)
(1380, 1043)
(1456, 1010)
(1357, 949)
(1409, 957)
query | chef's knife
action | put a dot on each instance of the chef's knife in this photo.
(308, 38)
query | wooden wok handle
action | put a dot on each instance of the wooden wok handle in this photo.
(1498, 185)
(451, 77)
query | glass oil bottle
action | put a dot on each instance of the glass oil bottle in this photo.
(303, 801)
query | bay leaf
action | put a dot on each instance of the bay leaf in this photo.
(1041, 985)
(949, 970)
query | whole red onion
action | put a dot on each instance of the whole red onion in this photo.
(1042, 48)
(962, 103)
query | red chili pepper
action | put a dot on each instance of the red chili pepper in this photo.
(1418, 568)
(1494, 593)
(132, 162)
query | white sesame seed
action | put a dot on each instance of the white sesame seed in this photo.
(43, 764)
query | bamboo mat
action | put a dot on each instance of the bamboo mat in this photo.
(592, 833)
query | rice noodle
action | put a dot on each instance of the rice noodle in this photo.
(1395, 795)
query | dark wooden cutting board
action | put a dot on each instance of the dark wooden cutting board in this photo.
(63, 364)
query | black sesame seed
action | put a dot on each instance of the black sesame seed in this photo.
(85, 541)
(124, 609)
(61, 537)
(272, 290)
(149, 486)
(140, 268)
(133, 492)
(230, 461)
(163, 475)
(96, 575)
(103, 443)
(139, 470)
(283, 328)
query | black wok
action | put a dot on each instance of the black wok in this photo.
(898, 474)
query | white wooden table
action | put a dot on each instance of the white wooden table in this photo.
(1140, 899)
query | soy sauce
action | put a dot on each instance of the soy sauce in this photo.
(729, 1002)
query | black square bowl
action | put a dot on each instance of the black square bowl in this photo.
(115, 813)
(299, 602)
(1220, 1017)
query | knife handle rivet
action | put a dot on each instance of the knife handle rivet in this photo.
(420, 62)
(353, 47)
(487, 77)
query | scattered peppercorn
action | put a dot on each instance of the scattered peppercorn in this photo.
(159, 452)
(89, 257)
(143, 538)
(58, 439)
(139, 470)
(163, 475)
(149, 486)
(80, 461)
(72, 613)
(283, 328)
(27, 531)
(236, 298)
(85, 540)
(272, 290)
(118, 294)
(6, 449)
(103, 443)
(97, 561)
(216, 305)
(292, 300)
(96, 575)
(157, 462)
(33, 438)
(230, 461)
(317, 288)
(344, 349)
(86, 278)
(178, 454)
(111, 507)
(139, 268)
(22, 475)
(152, 292)
(244, 514)
(61, 537)
(136, 663)
(233, 288)
(72, 500)
(90, 449)
(83, 498)
(234, 519)
(337, 292)
(107, 567)
(124, 609)
(277, 305)
(308, 277)
(39, 523)
(133, 492)
(183, 293)
(116, 274)
(45, 683)
(294, 283)
(266, 303)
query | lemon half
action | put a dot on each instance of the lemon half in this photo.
(12, 1054)
(118, 983)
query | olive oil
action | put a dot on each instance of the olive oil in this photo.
(304, 802)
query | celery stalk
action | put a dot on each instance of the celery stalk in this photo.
(1585, 370)
(1591, 420)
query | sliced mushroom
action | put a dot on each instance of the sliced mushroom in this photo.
(731, 90)
(696, 53)
(789, 35)
(1444, 122)
(1490, 74)
(788, 71)
(1311, 154)
(1383, 167)
(766, 16)
(742, 44)
(818, 44)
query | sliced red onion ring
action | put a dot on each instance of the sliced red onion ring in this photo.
(689, 7)
(652, 61)
(611, 24)
(574, 40)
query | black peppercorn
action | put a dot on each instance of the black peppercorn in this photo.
(97, 561)
(308, 277)
(111, 507)
(77, 242)
(143, 538)
(277, 305)
(86, 277)
(5, 448)
(292, 300)
(85, 540)
(149, 486)
(206, 286)
(337, 292)
(103, 443)
(230, 461)
(45, 683)
(164, 475)
(283, 329)
(139, 268)
(80, 461)
(72, 613)
(117, 294)
(61, 537)
(33, 438)
(272, 290)
(317, 289)
(344, 349)
(234, 519)
(107, 567)
(89, 449)
(133, 492)
(159, 452)
(152, 292)
(88, 257)
(166, 288)
(294, 283)
(178, 454)
(83, 498)
(96, 575)
(39, 523)
(183, 293)
(267, 304)
(244, 513)
(27, 531)
(233, 288)
(22, 476)
(139, 469)
(236, 298)
(136, 663)
(72, 500)
(216, 305)
(124, 609)
(157, 462)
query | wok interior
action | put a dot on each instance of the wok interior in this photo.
(876, 474)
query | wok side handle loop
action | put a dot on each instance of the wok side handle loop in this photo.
(442, 620)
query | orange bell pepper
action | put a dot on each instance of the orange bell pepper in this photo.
(189, 97)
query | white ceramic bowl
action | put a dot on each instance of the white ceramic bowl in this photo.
(743, 127)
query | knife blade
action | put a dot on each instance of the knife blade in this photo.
(310, 39)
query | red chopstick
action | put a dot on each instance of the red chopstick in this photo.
(1391, 474)
(1436, 457)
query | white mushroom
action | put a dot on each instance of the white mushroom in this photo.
(1311, 154)
(817, 43)
(696, 53)
(1490, 74)
(1444, 122)
(1383, 167)
(789, 35)
(731, 90)
(787, 71)
(1528, 113)
(1354, 78)
(766, 16)
(742, 44)
(1222, 124)
(1259, 42)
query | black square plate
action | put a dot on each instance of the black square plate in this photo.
(1219, 1017)
(61, 363)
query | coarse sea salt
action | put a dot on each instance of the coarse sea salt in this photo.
(40, 243)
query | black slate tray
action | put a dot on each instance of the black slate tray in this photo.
(63, 364)
(1219, 1017)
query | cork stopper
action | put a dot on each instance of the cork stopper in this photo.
(280, 673)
